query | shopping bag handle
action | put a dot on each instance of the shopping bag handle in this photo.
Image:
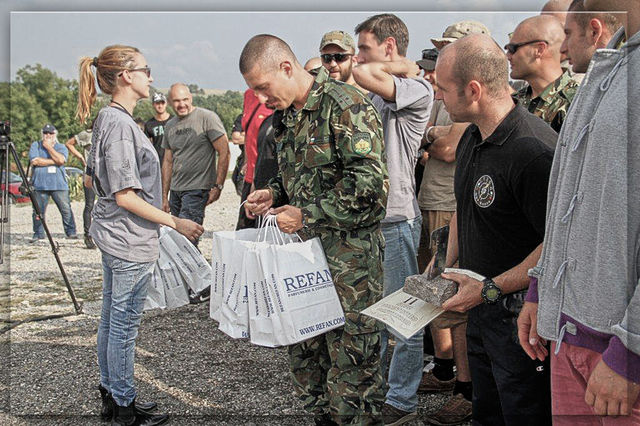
(270, 223)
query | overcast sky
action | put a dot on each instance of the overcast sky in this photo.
(203, 47)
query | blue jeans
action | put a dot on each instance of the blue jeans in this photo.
(61, 198)
(189, 205)
(124, 291)
(400, 261)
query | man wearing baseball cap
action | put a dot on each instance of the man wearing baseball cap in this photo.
(337, 53)
(154, 127)
(47, 157)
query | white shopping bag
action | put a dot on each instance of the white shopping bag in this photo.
(226, 264)
(174, 288)
(155, 292)
(302, 289)
(234, 314)
(262, 329)
(192, 265)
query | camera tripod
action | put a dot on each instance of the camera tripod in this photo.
(7, 150)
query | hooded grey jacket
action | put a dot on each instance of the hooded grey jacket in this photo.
(590, 264)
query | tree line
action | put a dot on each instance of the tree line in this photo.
(38, 96)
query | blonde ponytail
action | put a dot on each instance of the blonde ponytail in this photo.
(111, 61)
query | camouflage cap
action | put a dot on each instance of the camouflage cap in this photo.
(340, 38)
(459, 30)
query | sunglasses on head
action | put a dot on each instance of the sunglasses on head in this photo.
(513, 47)
(146, 70)
(338, 57)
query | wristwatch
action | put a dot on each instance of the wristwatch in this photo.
(491, 293)
(217, 185)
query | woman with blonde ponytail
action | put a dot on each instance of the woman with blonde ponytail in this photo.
(125, 173)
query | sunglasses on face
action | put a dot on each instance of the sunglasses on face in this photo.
(338, 57)
(513, 47)
(146, 70)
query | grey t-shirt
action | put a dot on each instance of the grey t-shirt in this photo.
(122, 157)
(404, 122)
(436, 189)
(191, 139)
(84, 141)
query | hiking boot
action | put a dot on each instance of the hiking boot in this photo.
(431, 384)
(455, 411)
(392, 416)
(88, 242)
(106, 411)
(133, 416)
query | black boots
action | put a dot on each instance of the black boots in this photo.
(133, 416)
(142, 410)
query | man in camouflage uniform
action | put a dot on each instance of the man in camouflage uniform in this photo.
(534, 54)
(333, 184)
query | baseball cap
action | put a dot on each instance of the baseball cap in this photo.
(159, 97)
(459, 30)
(428, 61)
(48, 128)
(339, 38)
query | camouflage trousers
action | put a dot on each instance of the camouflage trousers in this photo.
(338, 373)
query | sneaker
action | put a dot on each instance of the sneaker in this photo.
(455, 411)
(431, 384)
(72, 237)
(392, 416)
(35, 239)
(201, 297)
(88, 241)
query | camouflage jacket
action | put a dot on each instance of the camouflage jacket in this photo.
(332, 166)
(553, 103)
(331, 159)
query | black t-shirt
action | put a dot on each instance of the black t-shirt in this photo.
(267, 162)
(155, 130)
(501, 192)
(237, 124)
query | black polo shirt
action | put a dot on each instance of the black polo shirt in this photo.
(501, 192)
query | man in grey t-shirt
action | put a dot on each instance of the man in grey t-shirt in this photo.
(83, 140)
(191, 140)
(404, 103)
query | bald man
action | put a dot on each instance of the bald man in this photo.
(332, 184)
(192, 140)
(313, 63)
(500, 185)
(534, 55)
(556, 8)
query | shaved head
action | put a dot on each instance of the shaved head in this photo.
(180, 88)
(542, 27)
(181, 99)
(313, 63)
(267, 51)
(478, 57)
(557, 9)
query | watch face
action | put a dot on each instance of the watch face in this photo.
(492, 293)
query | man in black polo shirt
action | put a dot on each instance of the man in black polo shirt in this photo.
(503, 165)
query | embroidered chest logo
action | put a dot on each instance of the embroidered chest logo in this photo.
(484, 192)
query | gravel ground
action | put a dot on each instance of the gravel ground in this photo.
(195, 372)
